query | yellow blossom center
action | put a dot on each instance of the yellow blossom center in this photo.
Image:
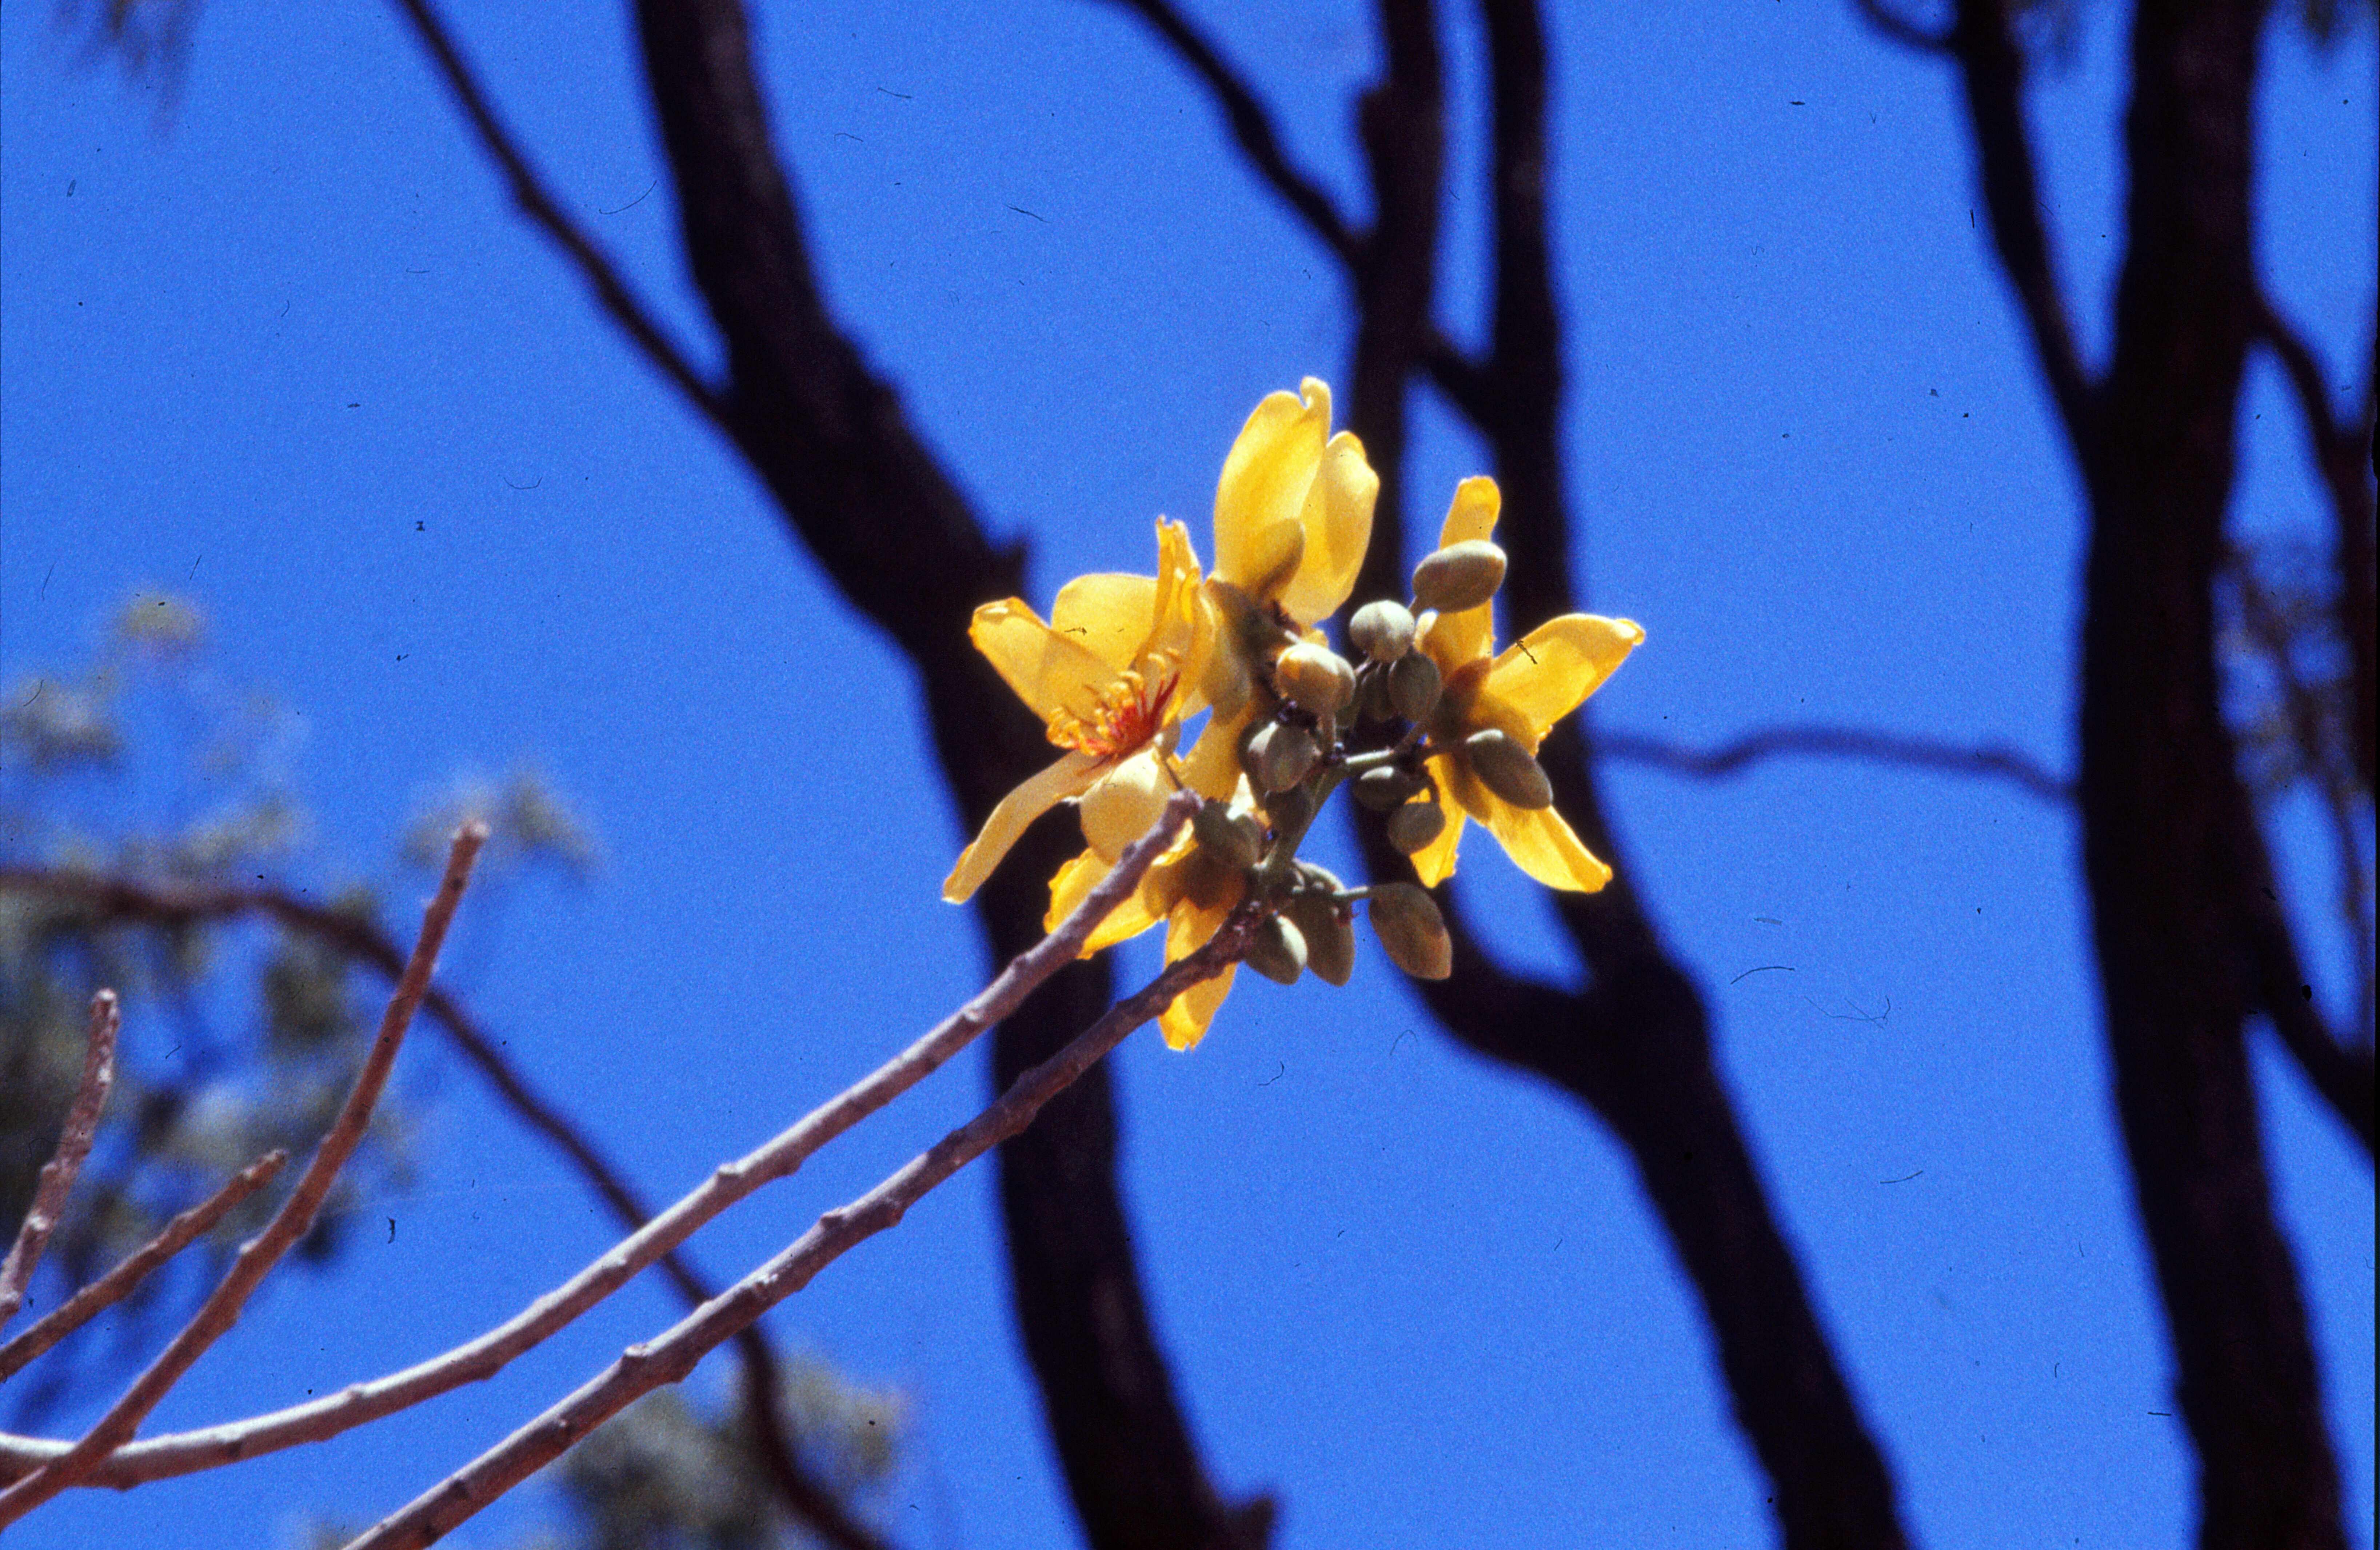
(1130, 712)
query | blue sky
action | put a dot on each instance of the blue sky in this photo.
(280, 345)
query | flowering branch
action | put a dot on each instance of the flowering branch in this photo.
(260, 1255)
(74, 1145)
(672, 1355)
(136, 1268)
(357, 1404)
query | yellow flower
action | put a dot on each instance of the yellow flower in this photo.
(1293, 517)
(1522, 693)
(1112, 674)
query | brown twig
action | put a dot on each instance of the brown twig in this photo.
(780, 1156)
(673, 1354)
(260, 1254)
(1998, 760)
(75, 1137)
(136, 1267)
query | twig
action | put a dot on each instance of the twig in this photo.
(1902, 30)
(114, 1286)
(1252, 125)
(74, 1144)
(482, 1357)
(673, 1354)
(1995, 759)
(360, 938)
(529, 193)
(258, 1255)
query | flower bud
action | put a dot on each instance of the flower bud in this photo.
(1277, 950)
(1415, 825)
(1461, 576)
(1388, 788)
(1329, 937)
(1382, 631)
(1315, 679)
(1234, 839)
(1372, 692)
(1414, 685)
(1412, 931)
(1280, 755)
(1507, 768)
(1291, 810)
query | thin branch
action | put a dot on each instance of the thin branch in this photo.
(777, 1158)
(1898, 29)
(2339, 447)
(1995, 760)
(136, 1267)
(1463, 380)
(360, 938)
(672, 1355)
(1252, 125)
(260, 1254)
(1991, 65)
(75, 1137)
(529, 191)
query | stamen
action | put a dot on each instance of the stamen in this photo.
(1129, 715)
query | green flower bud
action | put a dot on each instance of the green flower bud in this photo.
(1382, 631)
(1372, 692)
(1277, 950)
(1314, 678)
(1413, 931)
(1291, 810)
(1234, 839)
(1415, 825)
(1506, 768)
(1459, 576)
(1329, 937)
(1388, 788)
(1414, 685)
(1280, 755)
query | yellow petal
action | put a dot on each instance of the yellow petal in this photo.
(1124, 804)
(1211, 767)
(1456, 639)
(1190, 928)
(1185, 1022)
(1071, 776)
(1050, 672)
(1541, 844)
(1265, 479)
(1434, 863)
(1108, 614)
(1544, 676)
(1337, 522)
(1073, 884)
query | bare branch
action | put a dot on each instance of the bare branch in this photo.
(2339, 454)
(1898, 29)
(1253, 126)
(530, 192)
(1991, 65)
(360, 938)
(136, 1268)
(1995, 760)
(75, 1137)
(777, 1158)
(260, 1254)
(673, 1354)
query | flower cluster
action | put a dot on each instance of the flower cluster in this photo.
(1125, 660)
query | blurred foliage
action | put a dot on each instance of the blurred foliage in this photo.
(663, 1475)
(149, 765)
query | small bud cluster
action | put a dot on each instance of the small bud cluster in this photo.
(1299, 753)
